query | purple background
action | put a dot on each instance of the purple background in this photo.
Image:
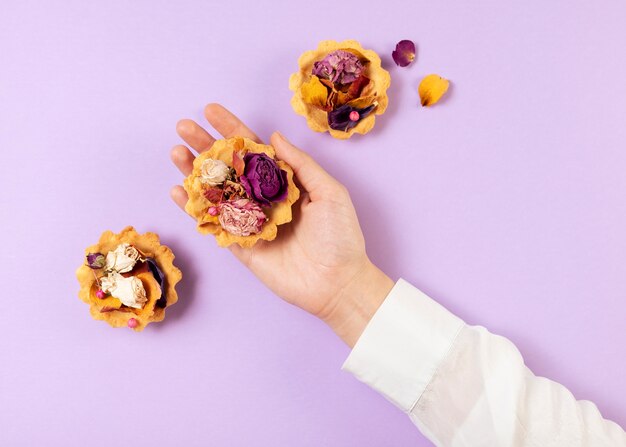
(506, 202)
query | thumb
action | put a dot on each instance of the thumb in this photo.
(313, 178)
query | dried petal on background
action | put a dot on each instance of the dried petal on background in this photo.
(404, 53)
(315, 93)
(431, 89)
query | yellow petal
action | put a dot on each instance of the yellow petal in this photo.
(432, 88)
(314, 92)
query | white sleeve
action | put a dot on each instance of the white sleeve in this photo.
(465, 387)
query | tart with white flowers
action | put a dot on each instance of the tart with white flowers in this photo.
(128, 279)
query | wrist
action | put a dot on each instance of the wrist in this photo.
(358, 302)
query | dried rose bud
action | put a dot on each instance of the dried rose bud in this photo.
(404, 53)
(96, 260)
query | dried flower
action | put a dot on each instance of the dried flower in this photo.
(315, 93)
(342, 117)
(214, 172)
(404, 53)
(340, 67)
(431, 89)
(123, 258)
(95, 260)
(263, 180)
(241, 217)
(129, 291)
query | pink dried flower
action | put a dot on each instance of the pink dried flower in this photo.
(340, 67)
(241, 217)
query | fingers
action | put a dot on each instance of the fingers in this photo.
(182, 158)
(194, 135)
(179, 196)
(313, 178)
(226, 123)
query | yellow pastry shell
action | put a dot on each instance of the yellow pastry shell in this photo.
(197, 205)
(317, 119)
(149, 245)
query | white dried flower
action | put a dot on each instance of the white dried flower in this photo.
(214, 172)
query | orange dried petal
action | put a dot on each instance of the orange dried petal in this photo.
(314, 92)
(431, 89)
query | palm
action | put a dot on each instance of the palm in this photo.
(313, 257)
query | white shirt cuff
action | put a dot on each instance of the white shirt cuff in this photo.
(403, 345)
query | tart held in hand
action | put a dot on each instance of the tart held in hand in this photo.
(128, 279)
(239, 192)
(339, 87)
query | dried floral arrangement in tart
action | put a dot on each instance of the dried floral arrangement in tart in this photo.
(339, 87)
(239, 192)
(128, 279)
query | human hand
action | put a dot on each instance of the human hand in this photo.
(318, 261)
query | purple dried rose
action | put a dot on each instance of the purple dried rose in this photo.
(340, 67)
(404, 53)
(241, 217)
(263, 180)
(96, 260)
(346, 117)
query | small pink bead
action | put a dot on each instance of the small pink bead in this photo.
(132, 323)
(354, 115)
(213, 211)
(100, 294)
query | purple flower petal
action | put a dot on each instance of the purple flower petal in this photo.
(404, 53)
(339, 119)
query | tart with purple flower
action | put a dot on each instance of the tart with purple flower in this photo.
(339, 88)
(239, 192)
(128, 279)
